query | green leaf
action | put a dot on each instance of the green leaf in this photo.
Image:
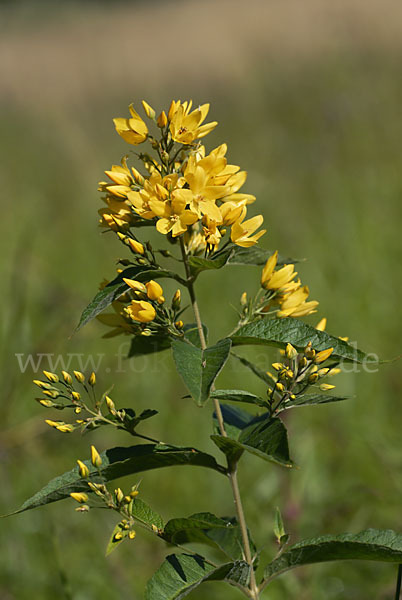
(256, 370)
(206, 528)
(279, 332)
(191, 334)
(238, 396)
(113, 542)
(371, 544)
(141, 511)
(199, 368)
(255, 256)
(266, 438)
(312, 399)
(119, 462)
(219, 260)
(179, 574)
(141, 345)
(235, 419)
(116, 288)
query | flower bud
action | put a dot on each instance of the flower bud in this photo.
(135, 285)
(162, 120)
(79, 496)
(243, 299)
(154, 290)
(131, 534)
(179, 324)
(290, 351)
(176, 300)
(82, 469)
(51, 376)
(119, 495)
(43, 385)
(149, 111)
(67, 377)
(92, 379)
(323, 355)
(110, 405)
(325, 387)
(95, 458)
(135, 246)
(79, 376)
(76, 396)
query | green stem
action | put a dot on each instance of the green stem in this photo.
(232, 469)
(398, 583)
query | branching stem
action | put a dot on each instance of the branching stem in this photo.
(232, 469)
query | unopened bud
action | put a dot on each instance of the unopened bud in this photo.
(45, 402)
(154, 290)
(118, 536)
(43, 385)
(51, 376)
(110, 405)
(313, 378)
(323, 355)
(119, 495)
(76, 396)
(308, 351)
(80, 377)
(243, 299)
(95, 458)
(52, 393)
(290, 351)
(135, 246)
(149, 111)
(277, 366)
(279, 386)
(176, 300)
(179, 324)
(79, 496)
(82, 469)
(325, 387)
(135, 285)
(134, 493)
(67, 377)
(162, 120)
(131, 534)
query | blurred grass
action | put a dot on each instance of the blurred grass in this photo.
(320, 137)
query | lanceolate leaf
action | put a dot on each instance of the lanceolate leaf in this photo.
(312, 399)
(117, 287)
(235, 255)
(119, 462)
(255, 256)
(266, 438)
(207, 529)
(179, 574)
(278, 332)
(191, 334)
(141, 345)
(238, 396)
(142, 512)
(256, 370)
(371, 544)
(199, 368)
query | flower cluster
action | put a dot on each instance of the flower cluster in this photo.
(280, 295)
(142, 311)
(102, 497)
(78, 394)
(297, 372)
(184, 191)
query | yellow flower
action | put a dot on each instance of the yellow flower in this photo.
(269, 269)
(185, 126)
(294, 304)
(133, 131)
(142, 311)
(321, 325)
(203, 195)
(232, 212)
(242, 231)
(173, 216)
(280, 278)
(211, 232)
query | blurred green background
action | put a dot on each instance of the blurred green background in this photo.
(308, 95)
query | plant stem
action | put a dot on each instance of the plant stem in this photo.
(398, 583)
(232, 469)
